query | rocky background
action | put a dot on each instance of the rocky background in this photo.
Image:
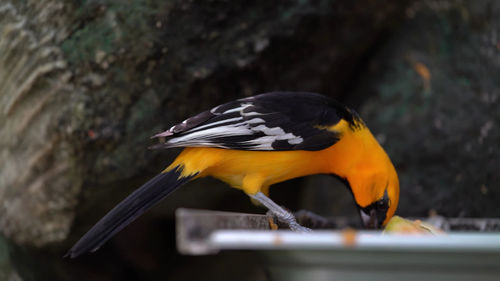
(83, 84)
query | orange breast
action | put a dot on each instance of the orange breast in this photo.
(232, 166)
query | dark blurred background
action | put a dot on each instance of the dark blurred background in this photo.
(84, 84)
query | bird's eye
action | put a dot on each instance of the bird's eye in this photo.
(382, 203)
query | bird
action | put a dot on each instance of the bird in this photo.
(254, 142)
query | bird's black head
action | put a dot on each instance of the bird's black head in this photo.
(374, 215)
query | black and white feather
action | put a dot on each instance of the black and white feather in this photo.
(271, 121)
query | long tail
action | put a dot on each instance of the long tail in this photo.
(129, 209)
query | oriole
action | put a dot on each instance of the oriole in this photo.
(254, 142)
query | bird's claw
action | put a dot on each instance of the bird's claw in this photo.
(290, 221)
(299, 228)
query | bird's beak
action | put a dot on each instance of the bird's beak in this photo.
(369, 219)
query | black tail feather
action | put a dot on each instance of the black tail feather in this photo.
(128, 210)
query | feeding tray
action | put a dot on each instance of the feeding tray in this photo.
(348, 255)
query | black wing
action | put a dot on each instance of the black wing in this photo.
(271, 121)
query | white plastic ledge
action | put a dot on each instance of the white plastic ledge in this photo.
(361, 240)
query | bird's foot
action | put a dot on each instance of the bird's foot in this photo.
(280, 213)
(299, 228)
(284, 221)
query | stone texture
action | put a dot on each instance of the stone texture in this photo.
(38, 182)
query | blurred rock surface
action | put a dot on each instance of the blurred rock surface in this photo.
(84, 84)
